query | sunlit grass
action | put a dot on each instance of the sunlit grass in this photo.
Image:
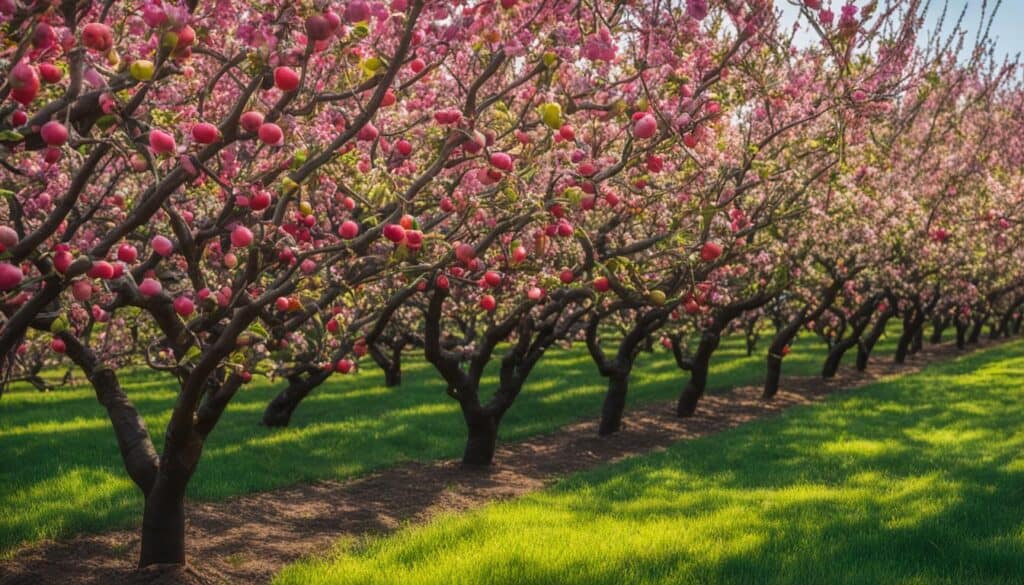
(61, 472)
(915, 480)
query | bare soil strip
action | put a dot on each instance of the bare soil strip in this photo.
(249, 538)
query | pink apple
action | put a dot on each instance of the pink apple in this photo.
(368, 133)
(162, 246)
(349, 229)
(150, 287)
(81, 289)
(645, 127)
(54, 133)
(8, 237)
(184, 306)
(345, 366)
(319, 28)
(10, 276)
(127, 253)
(394, 232)
(251, 121)
(271, 134)
(601, 284)
(488, 303)
(286, 79)
(241, 236)
(50, 72)
(501, 160)
(62, 261)
(710, 251)
(58, 345)
(357, 11)
(259, 201)
(101, 269)
(161, 142)
(205, 133)
(465, 253)
(98, 37)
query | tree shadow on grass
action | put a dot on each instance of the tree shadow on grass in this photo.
(913, 480)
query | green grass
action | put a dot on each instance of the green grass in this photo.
(913, 480)
(61, 472)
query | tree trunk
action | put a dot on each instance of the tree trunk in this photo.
(976, 329)
(906, 336)
(782, 339)
(867, 345)
(917, 341)
(751, 338)
(163, 524)
(773, 373)
(961, 335)
(858, 324)
(482, 438)
(1017, 324)
(279, 412)
(835, 356)
(938, 324)
(695, 387)
(614, 403)
(393, 376)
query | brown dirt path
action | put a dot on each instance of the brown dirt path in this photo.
(249, 538)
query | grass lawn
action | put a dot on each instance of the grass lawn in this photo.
(915, 480)
(62, 474)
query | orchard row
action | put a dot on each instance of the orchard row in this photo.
(222, 189)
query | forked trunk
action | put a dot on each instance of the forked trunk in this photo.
(279, 412)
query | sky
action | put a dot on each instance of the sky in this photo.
(1006, 29)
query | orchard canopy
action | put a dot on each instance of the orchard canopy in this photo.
(298, 190)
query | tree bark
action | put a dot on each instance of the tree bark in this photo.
(482, 437)
(906, 336)
(279, 412)
(393, 375)
(614, 403)
(866, 346)
(163, 524)
(938, 326)
(773, 369)
(859, 321)
(699, 367)
(976, 329)
(917, 342)
(961, 335)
